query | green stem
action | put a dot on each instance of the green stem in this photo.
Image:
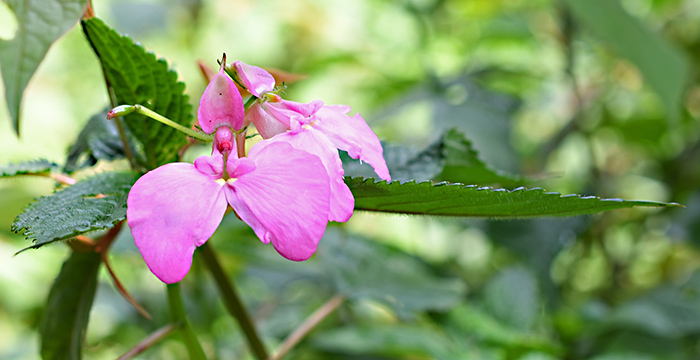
(128, 109)
(233, 302)
(177, 312)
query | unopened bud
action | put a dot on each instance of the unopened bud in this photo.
(223, 139)
(121, 110)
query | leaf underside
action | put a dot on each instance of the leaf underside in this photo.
(93, 204)
(65, 318)
(40, 23)
(427, 198)
(32, 167)
(138, 77)
(99, 139)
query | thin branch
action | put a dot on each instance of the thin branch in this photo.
(151, 340)
(140, 109)
(309, 324)
(122, 290)
(232, 301)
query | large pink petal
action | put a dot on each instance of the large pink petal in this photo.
(172, 210)
(352, 134)
(314, 142)
(255, 79)
(221, 104)
(285, 199)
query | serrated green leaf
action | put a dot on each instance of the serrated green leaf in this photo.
(76, 209)
(463, 165)
(661, 64)
(426, 198)
(99, 139)
(40, 23)
(362, 269)
(138, 77)
(66, 315)
(32, 167)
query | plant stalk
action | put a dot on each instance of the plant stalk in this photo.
(233, 302)
(177, 312)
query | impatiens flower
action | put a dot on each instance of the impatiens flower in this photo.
(314, 127)
(282, 193)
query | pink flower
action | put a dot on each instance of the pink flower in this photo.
(314, 127)
(280, 192)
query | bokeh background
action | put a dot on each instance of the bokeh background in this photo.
(595, 97)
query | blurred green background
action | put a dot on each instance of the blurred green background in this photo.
(596, 97)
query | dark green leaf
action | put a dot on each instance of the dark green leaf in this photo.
(389, 340)
(450, 158)
(137, 77)
(513, 298)
(99, 139)
(40, 23)
(426, 198)
(463, 165)
(470, 321)
(363, 269)
(65, 318)
(93, 204)
(40, 166)
(661, 64)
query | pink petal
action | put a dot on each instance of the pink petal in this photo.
(221, 104)
(256, 80)
(172, 210)
(285, 199)
(267, 125)
(352, 134)
(313, 141)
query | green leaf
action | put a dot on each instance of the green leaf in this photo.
(362, 269)
(426, 198)
(33, 167)
(137, 77)
(513, 298)
(463, 165)
(40, 23)
(93, 204)
(450, 158)
(66, 315)
(661, 64)
(99, 139)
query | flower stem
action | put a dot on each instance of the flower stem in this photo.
(128, 109)
(233, 302)
(177, 312)
(314, 319)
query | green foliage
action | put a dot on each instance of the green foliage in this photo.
(99, 139)
(663, 66)
(40, 23)
(451, 158)
(362, 269)
(65, 317)
(96, 203)
(33, 167)
(427, 198)
(137, 77)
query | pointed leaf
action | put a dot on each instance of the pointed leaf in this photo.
(33, 167)
(93, 204)
(40, 23)
(137, 77)
(427, 198)
(99, 139)
(65, 318)
(661, 64)
(463, 164)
